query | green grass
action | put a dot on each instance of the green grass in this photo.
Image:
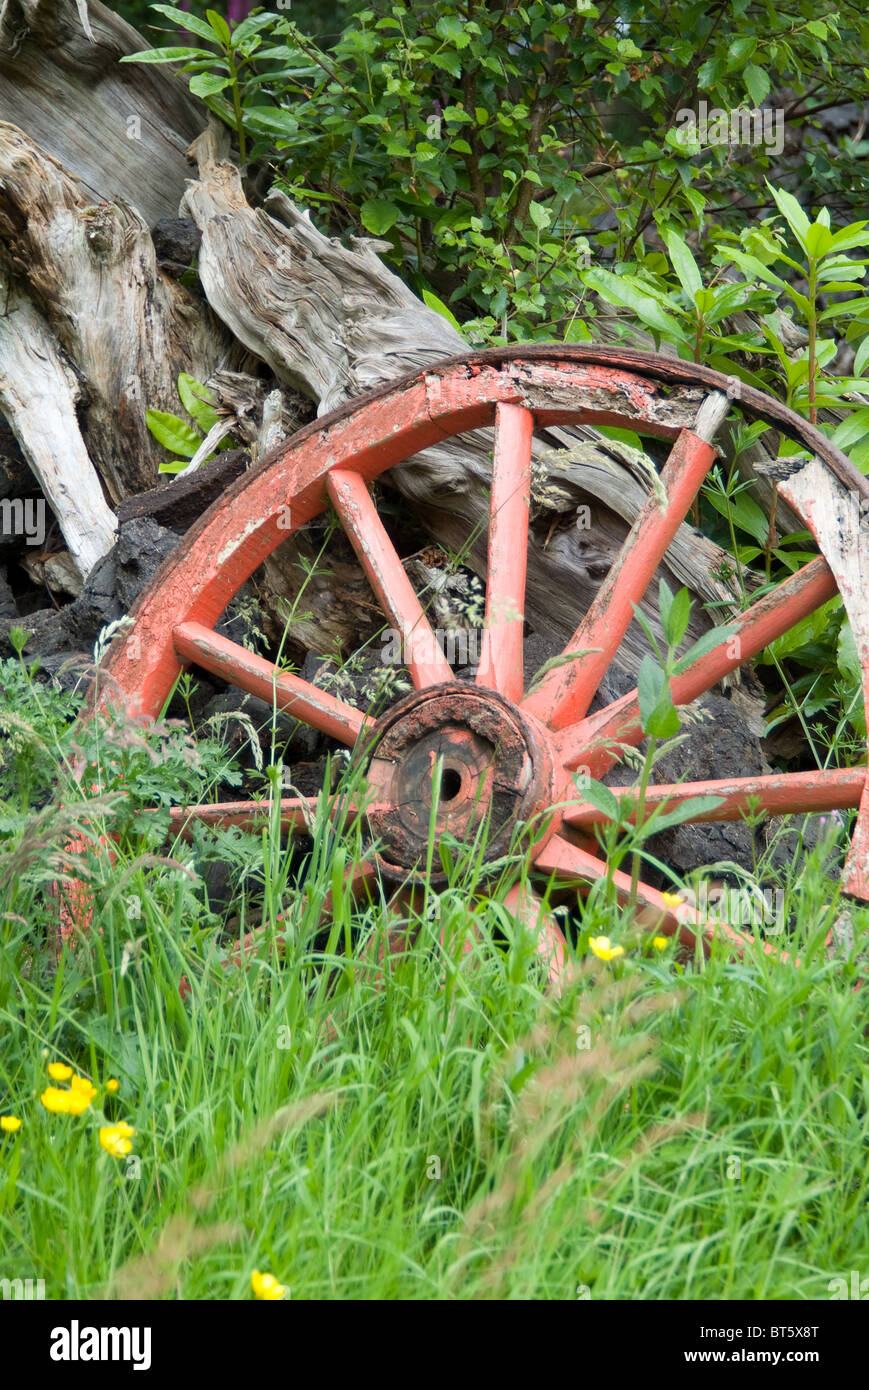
(437, 1130)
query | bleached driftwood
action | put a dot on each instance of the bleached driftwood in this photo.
(38, 395)
(128, 328)
(121, 129)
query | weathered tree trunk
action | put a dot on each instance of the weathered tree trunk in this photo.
(38, 395)
(121, 129)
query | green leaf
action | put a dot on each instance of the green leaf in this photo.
(746, 514)
(647, 628)
(859, 455)
(620, 289)
(862, 357)
(250, 26)
(220, 27)
(167, 55)
(791, 212)
(852, 429)
(651, 684)
(378, 215)
(207, 84)
(819, 239)
(272, 120)
(450, 62)
(850, 236)
(173, 433)
(452, 29)
(704, 644)
(846, 656)
(757, 83)
(802, 634)
(578, 331)
(848, 661)
(684, 263)
(190, 22)
(665, 603)
(201, 410)
(849, 308)
(431, 299)
(663, 722)
(602, 799)
(540, 216)
(726, 299)
(708, 73)
(696, 201)
(612, 431)
(677, 618)
(741, 50)
(836, 267)
(694, 806)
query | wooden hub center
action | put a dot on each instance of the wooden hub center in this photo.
(459, 761)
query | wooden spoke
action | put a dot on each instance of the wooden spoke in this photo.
(566, 693)
(501, 666)
(855, 879)
(359, 878)
(590, 743)
(551, 944)
(570, 864)
(233, 663)
(296, 814)
(352, 501)
(471, 936)
(779, 794)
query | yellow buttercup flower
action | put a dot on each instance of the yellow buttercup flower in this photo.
(266, 1286)
(75, 1101)
(59, 1071)
(81, 1093)
(9, 1123)
(116, 1139)
(672, 899)
(112, 1084)
(659, 942)
(56, 1100)
(602, 948)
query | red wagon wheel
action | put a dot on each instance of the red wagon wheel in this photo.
(507, 756)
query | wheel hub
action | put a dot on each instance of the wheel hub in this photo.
(495, 773)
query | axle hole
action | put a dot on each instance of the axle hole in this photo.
(451, 784)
